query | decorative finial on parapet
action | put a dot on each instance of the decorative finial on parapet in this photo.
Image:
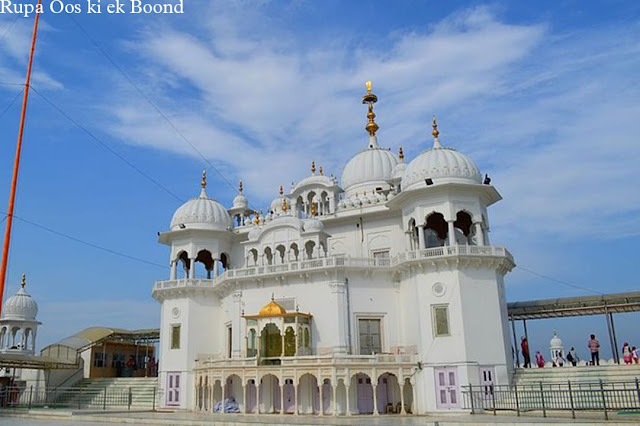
(240, 187)
(281, 191)
(313, 167)
(401, 154)
(24, 280)
(321, 171)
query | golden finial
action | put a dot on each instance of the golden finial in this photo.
(281, 191)
(24, 280)
(313, 209)
(401, 154)
(284, 205)
(240, 187)
(435, 133)
(204, 179)
(321, 171)
(370, 99)
(313, 167)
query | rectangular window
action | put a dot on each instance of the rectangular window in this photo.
(370, 336)
(440, 318)
(99, 359)
(118, 360)
(175, 336)
(382, 257)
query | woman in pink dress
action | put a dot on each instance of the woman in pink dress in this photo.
(539, 359)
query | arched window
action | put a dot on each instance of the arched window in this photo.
(280, 250)
(183, 258)
(253, 256)
(435, 231)
(463, 223)
(271, 341)
(300, 207)
(204, 258)
(289, 342)
(252, 346)
(308, 248)
(307, 338)
(413, 235)
(268, 256)
(294, 252)
(324, 203)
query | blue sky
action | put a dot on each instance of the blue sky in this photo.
(542, 95)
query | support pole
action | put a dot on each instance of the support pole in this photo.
(526, 334)
(610, 330)
(16, 163)
(615, 338)
(515, 342)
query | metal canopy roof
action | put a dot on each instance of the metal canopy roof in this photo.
(9, 360)
(575, 306)
(95, 335)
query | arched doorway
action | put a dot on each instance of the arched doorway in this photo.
(252, 396)
(308, 395)
(388, 396)
(361, 384)
(233, 394)
(269, 394)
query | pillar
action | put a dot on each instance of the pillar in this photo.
(245, 400)
(281, 397)
(295, 397)
(479, 234)
(216, 268)
(348, 398)
(334, 390)
(451, 233)
(375, 400)
(332, 202)
(402, 410)
(421, 243)
(192, 268)
(321, 408)
(174, 274)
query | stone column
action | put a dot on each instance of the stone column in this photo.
(334, 390)
(421, 244)
(332, 208)
(192, 268)
(174, 267)
(479, 234)
(216, 268)
(295, 399)
(245, 401)
(321, 408)
(282, 398)
(451, 233)
(348, 402)
(375, 400)
(402, 410)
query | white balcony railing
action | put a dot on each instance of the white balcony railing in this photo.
(205, 361)
(338, 261)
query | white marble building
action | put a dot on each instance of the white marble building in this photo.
(377, 294)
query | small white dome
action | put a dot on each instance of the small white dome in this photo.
(372, 165)
(240, 202)
(313, 225)
(439, 163)
(316, 180)
(20, 306)
(201, 213)
(398, 171)
(555, 342)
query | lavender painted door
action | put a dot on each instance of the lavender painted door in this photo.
(173, 389)
(365, 394)
(447, 388)
(486, 381)
(289, 397)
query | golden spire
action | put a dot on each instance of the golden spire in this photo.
(435, 133)
(370, 99)
(313, 209)
(321, 171)
(24, 280)
(204, 179)
(401, 154)
(240, 187)
(284, 205)
(281, 191)
(313, 167)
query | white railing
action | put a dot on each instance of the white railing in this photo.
(311, 360)
(338, 261)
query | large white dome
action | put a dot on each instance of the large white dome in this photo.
(440, 163)
(20, 306)
(201, 213)
(373, 165)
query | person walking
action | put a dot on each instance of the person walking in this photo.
(594, 347)
(524, 345)
(626, 353)
(572, 356)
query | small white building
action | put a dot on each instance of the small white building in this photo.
(377, 294)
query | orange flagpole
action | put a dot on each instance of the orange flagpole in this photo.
(16, 164)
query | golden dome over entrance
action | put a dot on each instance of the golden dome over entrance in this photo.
(272, 310)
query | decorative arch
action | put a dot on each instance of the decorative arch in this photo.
(388, 396)
(271, 341)
(268, 256)
(205, 258)
(253, 255)
(436, 230)
(280, 253)
(308, 394)
(361, 391)
(309, 248)
(183, 257)
(289, 342)
(464, 222)
(294, 252)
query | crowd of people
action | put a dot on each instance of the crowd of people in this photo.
(629, 354)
